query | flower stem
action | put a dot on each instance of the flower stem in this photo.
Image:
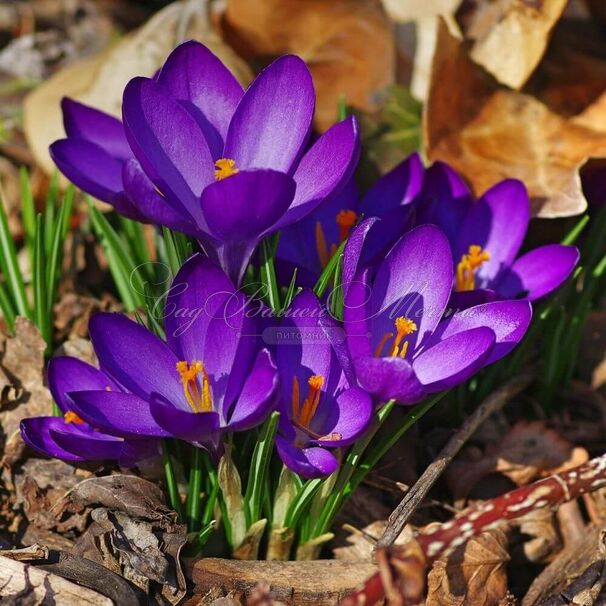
(193, 491)
(171, 482)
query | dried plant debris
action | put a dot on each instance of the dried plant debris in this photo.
(489, 134)
(474, 573)
(22, 386)
(133, 533)
(530, 450)
(348, 45)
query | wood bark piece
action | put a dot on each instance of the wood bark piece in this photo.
(312, 583)
(25, 584)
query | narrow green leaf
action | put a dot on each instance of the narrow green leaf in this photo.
(194, 489)
(49, 211)
(327, 272)
(259, 465)
(41, 310)
(6, 307)
(10, 268)
(290, 293)
(268, 273)
(301, 503)
(572, 236)
(28, 212)
(171, 480)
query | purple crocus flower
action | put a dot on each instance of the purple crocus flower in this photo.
(321, 406)
(400, 343)
(486, 236)
(71, 438)
(312, 241)
(206, 158)
(209, 375)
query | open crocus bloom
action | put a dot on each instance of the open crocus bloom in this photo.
(208, 376)
(206, 158)
(320, 403)
(401, 345)
(71, 438)
(486, 237)
(312, 241)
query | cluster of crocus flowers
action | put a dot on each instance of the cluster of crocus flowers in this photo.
(198, 154)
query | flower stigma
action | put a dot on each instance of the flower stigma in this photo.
(404, 327)
(72, 417)
(200, 400)
(302, 414)
(467, 266)
(345, 220)
(226, 167)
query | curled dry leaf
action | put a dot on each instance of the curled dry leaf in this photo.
(362, 543)
(100, 80)
(21, 386)
(347, 44)
(133, 534)
(489, 134)
(474, 573)
(509, 38)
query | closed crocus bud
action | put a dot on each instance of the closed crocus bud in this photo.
(281, 536)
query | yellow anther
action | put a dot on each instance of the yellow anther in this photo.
(199, 400)
(226, 167)
(467, 266)
(72, 417)
(404, 327)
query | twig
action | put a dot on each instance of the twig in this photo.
(413, 498)
(401, 576)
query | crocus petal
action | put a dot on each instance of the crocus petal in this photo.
(324, 168)
(246, 204)
(188, 426)
(498, 223)
(36, 434)
(398, 187)
(93, 446)
(314, 462)
(453, 360)
(460, 300)
(118, 413)
(445, 200)
(356, 315)
(134, 357)
(152, 206)
(273, 120)
(194, 75)
(67, 374)
(508, 320)
(240, 209)
(389, 378)
(345, 418)
(88, 167)
(415, 281)
(257, 397)
(168, 143)
(352, 253)
(539, 272)
(84, 122)
(304, 349)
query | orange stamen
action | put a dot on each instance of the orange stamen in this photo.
(404, 327)
(200, 400)
(467, 266)
(72, 417)
(346, 219)
(321, 245)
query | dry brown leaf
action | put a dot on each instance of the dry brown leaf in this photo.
(21, 374)
(510, 37)
(528, 451)
(473, 574)
(489, 134)
(99, 81)
(347, 44)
